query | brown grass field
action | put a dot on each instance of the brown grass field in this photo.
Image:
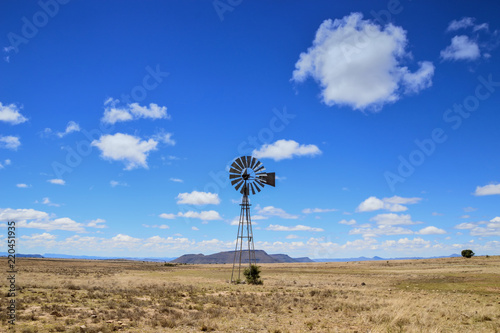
(432, 295)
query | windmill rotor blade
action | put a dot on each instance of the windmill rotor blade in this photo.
(236, 181)
(259, 182)
(244, 161)
(236, 166)
(253, 190)
(258, 164)
(257, 186)
(238, 185)
(240, 163)
(249, 159)
(254, 160)
(234, 176)
(234, 171)
(261, 168)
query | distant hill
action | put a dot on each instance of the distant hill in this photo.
(70, 256)
(378, 258)
(228, 257)
(20, 255)
(286, 258)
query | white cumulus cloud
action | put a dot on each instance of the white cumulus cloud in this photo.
(9, 142)
(348, 222)
(490, 189)
(167, 216)
(392, 204)
(114, 113)
(210, 215)
(461, 48)
(274, 211)
(97, 223)
(318, 210)
(393, 219)
(285, 149)
(57, 181)
(299, 227)
(131, 150)
(431, 230)
(358, 63)
(10, 114)
(71, 127)
(198, 198)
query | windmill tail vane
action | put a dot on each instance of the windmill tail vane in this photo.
(248, 176)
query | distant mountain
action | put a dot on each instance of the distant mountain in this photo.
(20, 255)
(379, 258)
(70, 256)
(228, 257)
(286, 258)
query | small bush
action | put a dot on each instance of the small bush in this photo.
(252, 274)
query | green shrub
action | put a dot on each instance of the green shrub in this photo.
(467, 253)
(252, 274)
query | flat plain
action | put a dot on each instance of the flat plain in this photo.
(430, 295)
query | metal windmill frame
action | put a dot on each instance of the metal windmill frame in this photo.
(247, 175)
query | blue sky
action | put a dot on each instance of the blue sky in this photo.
(380, 118)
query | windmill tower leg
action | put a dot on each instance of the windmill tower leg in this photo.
(244, 231)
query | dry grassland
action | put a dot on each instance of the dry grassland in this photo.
(438, 295)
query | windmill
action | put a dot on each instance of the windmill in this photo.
(247, 175)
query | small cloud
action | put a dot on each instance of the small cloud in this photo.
(11, 114)
(23, 185)
(274, 211)
(318, 210)
(393, 204)
(285, 149)
(57, 181)
(465, 216)
(393, 219)
(461, 48)
(292, 237)
(490, 189)
(176, 180)
(210, 215)
(198, 198)
(131, 150)
(194, 228)
(9, 142)
(348, 222)
(431, 230)
(71, 127)
(465, 23)
(114, 113)
(46, 201)
(167, 216)
(469, 209)
(437, 214)
(115, 183)
(165, 138)
(276, 227)
(97, 223)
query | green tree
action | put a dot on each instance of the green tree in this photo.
(252, 274)
(467, 253)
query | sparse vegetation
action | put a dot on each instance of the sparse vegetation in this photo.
(435, 295)
(467, 253)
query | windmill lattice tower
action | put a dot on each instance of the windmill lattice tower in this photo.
(247, 175)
